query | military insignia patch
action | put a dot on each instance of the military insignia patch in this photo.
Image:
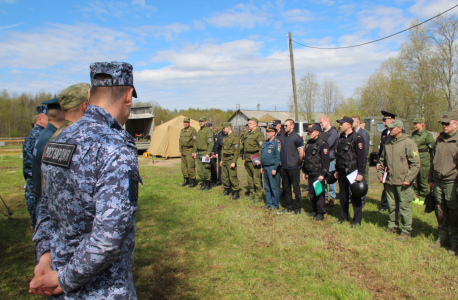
(236, 146)
(325, 151)
(260, 143)
(194, 137)
(360, 145)
(209, 140)
(279, 147)
(133, 189)
(269, 151)
(59, 154)
(414, 153)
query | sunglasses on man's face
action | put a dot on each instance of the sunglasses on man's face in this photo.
(446, 124)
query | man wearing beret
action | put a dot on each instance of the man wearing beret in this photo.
(204, 149)
(443, 178)
(85, 234)
(230, 154)
(399, 165)
(253, 140)
(31, 197)
(187, 144)
(425, 143)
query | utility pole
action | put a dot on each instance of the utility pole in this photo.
(293, 75)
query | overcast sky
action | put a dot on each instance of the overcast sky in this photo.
(201, 53)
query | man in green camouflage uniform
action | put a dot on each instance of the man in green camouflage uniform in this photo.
(188, 136)
(443, 177)
(204, 144)
(252, 146)
(425, 142)
(230, 153)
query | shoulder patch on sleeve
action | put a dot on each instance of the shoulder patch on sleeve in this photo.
(134, 179)
(260, 143)
(209, 140)
(325, 151)
(414, 153)
(360, 145)
(194, 137)
(59, 154)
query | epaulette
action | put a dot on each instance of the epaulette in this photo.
(277, 141)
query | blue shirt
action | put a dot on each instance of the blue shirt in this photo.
(299, 142)
(37, 153)
(87, 212)
(270, 153)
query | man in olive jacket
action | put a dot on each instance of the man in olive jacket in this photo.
(252, 145)
(204, 145)
(188, 136)
(230, 153)
(401, 162)
(443, 178)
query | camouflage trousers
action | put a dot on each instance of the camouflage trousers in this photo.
(188, 164)
(203, 169)
(421, 181)
(447, 211)
(253, 175)
(32, 199)
(229, 176)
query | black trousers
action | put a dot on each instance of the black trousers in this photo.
(219, 167)
(213, 170)
(292, 177)
(344, 195)
(383, 200)
(317, 200)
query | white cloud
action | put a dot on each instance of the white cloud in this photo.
(7, 1)
(297, 15)
(143, 5)
(10, 26)
(104, 9)
(61, 44)
(240, 16)
(168, 32)
(387, 19)
(197, 24)
(427, 9)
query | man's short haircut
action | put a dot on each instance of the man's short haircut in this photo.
(326, 118)
(291, 121)
(113, 93)
(56, 115)
(356, 118)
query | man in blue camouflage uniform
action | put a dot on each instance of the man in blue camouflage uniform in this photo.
(86, 225)
(30, 197)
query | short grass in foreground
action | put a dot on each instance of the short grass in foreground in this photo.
(199, 245)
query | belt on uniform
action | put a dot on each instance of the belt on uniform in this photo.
(228, 155)
(186, 148)
(251, 151)
(423, 150)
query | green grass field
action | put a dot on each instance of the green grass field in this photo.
(199, 245)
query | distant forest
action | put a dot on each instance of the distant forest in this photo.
(17, 111)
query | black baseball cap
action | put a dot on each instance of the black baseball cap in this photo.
(276, 122)
(346, 120)
(314, 127)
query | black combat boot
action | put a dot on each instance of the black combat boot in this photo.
(235, 195)
(226, 192)
(185, 182)
(192, 183)
(204, 185)
(207, 185)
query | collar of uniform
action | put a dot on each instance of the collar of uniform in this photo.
(98, 113)
(51, 127)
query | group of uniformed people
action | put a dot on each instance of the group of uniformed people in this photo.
(82, 176)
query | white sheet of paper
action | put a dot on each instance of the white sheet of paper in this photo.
(204, 159)
(352, 176)
(384, 176)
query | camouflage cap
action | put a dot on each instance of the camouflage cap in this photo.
(227, 124)
(42, 109)
(418, 120)
(311, 122)
(254, 120)
(448, 116)
(73, 95)
(396, 123)
(186, 120)
(203, 119)
(120, 72)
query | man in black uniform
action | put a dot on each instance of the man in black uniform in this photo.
(219, 146)
(350, 156)
(279, 136)
(387, 119)
(316, 164)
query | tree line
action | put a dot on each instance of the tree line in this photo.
(420, 82)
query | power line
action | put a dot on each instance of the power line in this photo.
(381, 38)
